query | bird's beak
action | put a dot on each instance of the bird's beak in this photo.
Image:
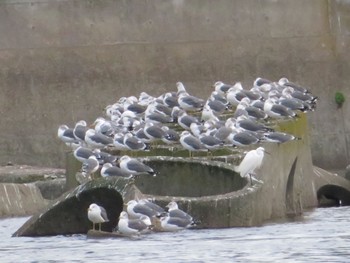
(125, 204)
(267, 152)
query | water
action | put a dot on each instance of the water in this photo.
(323, 235)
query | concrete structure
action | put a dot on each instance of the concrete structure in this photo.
(208, 190)
(62, 61)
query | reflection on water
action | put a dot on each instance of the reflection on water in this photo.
(322, 236)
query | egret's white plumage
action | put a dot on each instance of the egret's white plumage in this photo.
(251, 161)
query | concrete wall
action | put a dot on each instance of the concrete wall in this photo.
(61, 61)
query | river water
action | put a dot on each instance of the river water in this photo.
(321, 235)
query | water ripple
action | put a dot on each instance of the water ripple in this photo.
(322, 235)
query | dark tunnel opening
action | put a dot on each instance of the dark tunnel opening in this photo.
(333, 195)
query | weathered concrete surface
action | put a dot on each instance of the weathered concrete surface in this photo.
(69, 214)
(208, 190)
(57, 54)
(25, 190)
(20, 200)
(27, 174)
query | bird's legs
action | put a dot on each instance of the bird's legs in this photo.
(99, 226)
(93, 226)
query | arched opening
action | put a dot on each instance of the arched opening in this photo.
(70, 215)
(333, 195)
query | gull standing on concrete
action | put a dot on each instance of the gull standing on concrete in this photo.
(277, 111)
(190, 143)
(82, 154)
(130, 227)
(90, 166)
(251, 161)
(137, 209)
(109, 170)
(175, 219)
(66, 135)
(134, 167)
(97, 215)
(97, 140)
(190, 103)
(79, 130)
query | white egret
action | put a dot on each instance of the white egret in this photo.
(251, 161)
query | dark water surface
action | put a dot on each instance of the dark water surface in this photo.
(322, 235)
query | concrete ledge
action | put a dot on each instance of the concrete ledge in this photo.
(20, 200)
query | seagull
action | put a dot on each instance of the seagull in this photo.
(171, 224)
(82, 154)
(190, 103)
(134, 167)
(97, 140)
(190, 143)
(251, 161)
(285, 82)
(221, 87)
(109, 170)
(175, 219)
(97, 215)
(90, 166)
(153, 132)
(279, 137)
(210, 142)
(249, 124)
(277, 111)
(208, 114)
(137, 209)
(104, 126)
(174, 211)
(170, 100)
(170, 136)
(133, 143)
(80, 130)
(137, 226)
(243, 138)
(66, 135)
(185, 120)
(104, 157)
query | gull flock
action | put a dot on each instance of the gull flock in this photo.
(231, 117)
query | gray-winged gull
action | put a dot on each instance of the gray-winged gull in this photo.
(79, 130)
(190, 103)
(221, 87)
(190, 143)
(97, 140)
(109, 170)
(137, 226)
(134, 167)
(277, 111)
(136, 209)
(65, 134)
(279, 137)
(175, 219)
(170, 136)
(133, 143)
(153, 132)
(90, 166)
(97, 215)
(210, 142)
(243, 138)
(185, 120)
(82, 154)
